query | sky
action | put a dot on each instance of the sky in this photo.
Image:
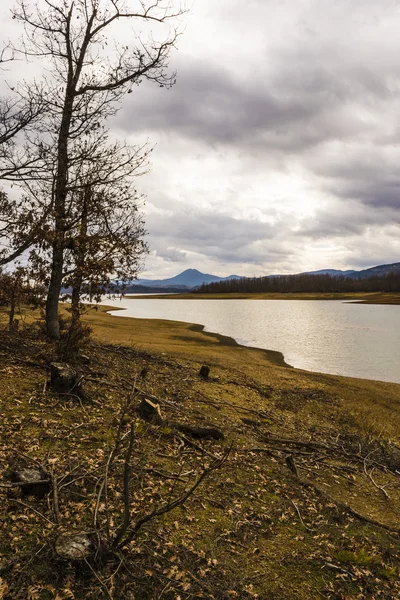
(278, 149)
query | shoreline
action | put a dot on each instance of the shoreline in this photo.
(372, 403)
(274, 356)
(392, 298)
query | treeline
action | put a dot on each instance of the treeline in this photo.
(305, 283)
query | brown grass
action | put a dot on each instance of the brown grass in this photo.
(253, 530)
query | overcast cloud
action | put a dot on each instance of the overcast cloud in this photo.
(278, 149)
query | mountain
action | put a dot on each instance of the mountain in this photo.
(190, 278)
(331, 272)
(378, 271)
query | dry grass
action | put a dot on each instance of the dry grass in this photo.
(254, 530)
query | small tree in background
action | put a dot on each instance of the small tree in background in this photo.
(18, 290)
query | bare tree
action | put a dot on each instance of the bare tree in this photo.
(19, 160)
(76, 37)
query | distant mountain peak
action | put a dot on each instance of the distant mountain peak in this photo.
(190, 278)
(190, 272)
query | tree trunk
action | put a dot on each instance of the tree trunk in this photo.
(60, 196)
(76, 297)
(80, 255)
(12, 312)
(53, 294)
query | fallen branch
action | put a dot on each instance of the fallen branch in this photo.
(378, 487)
(33, 509)
(22, 484)
(299, 515)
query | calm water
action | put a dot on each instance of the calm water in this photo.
(358, 340)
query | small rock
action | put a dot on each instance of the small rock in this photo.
(73, 546)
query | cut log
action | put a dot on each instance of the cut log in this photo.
(204, 372)
(150, 411)
(64, 380)
(199, 432)
(251, 422)
(33, 482)
(73, 546)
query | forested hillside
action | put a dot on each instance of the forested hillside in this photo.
(304, 283)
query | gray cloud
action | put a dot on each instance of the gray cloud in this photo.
(173, 255)
(311, 89)
(217, 236)
(278, 148)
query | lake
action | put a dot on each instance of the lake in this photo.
(340, 338)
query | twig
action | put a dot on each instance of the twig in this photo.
(336, 568)
(378, 487)
(26, 565)
(34, 510)
(81, 476)
(110, 460)
(28, 458)
(299, 515)
(96, 510)
(346, 508)
(127, 514)
(185, 440)
(216, 464)
(103, 585)
(56, 507)
(167, 475)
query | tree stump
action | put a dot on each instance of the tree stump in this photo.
(84, 359)
(73, 546)
(33, 482)
(149, 411)
(291, 464)
(65, 380)
(204, 372)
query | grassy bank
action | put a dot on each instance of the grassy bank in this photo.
(306, 507)
(364, 298)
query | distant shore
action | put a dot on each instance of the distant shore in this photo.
(362, 298)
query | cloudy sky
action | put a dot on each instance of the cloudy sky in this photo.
(278, 149)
